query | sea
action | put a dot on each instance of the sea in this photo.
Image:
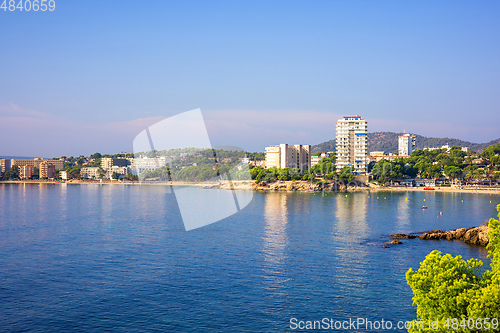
(117, 258)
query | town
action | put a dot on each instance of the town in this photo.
(410, 167)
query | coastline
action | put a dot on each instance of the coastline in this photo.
(286, 186)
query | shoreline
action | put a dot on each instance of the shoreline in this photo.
(287, 186)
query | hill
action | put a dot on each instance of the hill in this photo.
(388, 142)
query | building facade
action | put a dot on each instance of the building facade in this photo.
(406, 144)
(107, 162)
(285, 156)
(92, 172)
(120, 170)
(4, 165)
(64, 175)
(47, 169)
(58, 164)
(138, 165)
(26, 171)
(352, 143)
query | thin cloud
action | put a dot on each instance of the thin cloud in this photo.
(41, 134)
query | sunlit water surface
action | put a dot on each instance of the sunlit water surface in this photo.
(116, 258)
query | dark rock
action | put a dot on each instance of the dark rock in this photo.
(395, 241)
(402, 236)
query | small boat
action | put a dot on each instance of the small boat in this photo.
(424, 207)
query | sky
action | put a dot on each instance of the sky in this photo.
(91, 75)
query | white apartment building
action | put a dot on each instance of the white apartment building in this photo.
(352, 143)
(145, 163)
(406, 144)
(91, 172)
(64, 175)
(285, 156)
(121, 170)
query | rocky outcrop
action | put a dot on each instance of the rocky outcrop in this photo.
(474, 235)
(306, 186)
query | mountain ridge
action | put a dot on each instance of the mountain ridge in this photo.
(388, 142)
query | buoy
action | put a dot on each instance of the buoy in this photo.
(424, 199)
(346, 195)
(377, 197)
(385, 198)
(440, 213)
(406, 199)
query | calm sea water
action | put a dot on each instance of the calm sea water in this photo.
(116, 258)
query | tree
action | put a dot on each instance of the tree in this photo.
(447, 287)
(13, 173)
(96, 156)
(346, 174)
(452, 171)
(115, 175)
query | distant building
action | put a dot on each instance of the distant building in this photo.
(64, 175)
(315, 159)
(261, 163)
(92, 172)
(118, 169)
(58, 164)
(139, 165)
(376, 156)
(352, 143)
(26, 171)
(47, 169)
(285, 156)
(406, 144)
(107, 162)
(448, 148)
(4, 165)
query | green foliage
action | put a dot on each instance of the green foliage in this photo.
(324, 166)
(447, 287)
(346, 174)
(256, 156)
(452, 171)
(491, 151)
(13, 173)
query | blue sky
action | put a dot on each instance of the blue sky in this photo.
(92, 74)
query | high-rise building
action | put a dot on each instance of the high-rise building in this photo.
(352, 143)
(285, 156)
(4, 165)
(406, 144)
(47, 170)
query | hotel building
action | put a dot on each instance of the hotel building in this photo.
(285, 156)
(352, 143)
(47, 170)
(58, 164)
(406, 144)
(26, 171)
(107, 162)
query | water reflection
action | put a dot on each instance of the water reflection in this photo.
(276, 216)
(403, 215)
(351, 212)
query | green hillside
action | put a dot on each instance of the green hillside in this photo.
(388, 142)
